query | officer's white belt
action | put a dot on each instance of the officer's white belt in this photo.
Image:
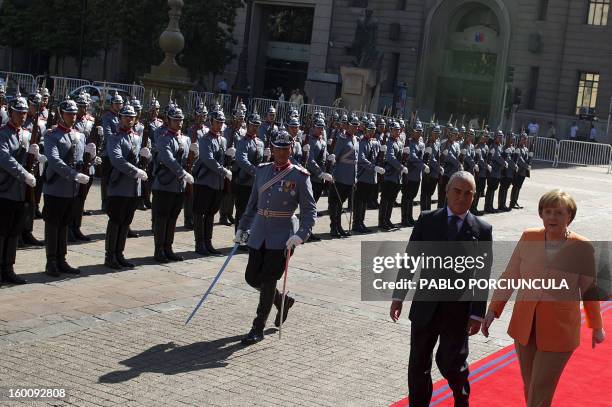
(274, 214)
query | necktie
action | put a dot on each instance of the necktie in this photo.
(452, 227)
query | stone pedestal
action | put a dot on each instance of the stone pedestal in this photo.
(359, 89)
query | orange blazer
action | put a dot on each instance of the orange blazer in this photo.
(557, 322)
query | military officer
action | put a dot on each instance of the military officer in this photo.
(61, 187)
(152, 124)
(279, 188)
(493, 178)
(169, 185)
(14, 147)
(209, 173)
(450, 162)
(523, 160)
(249, 154)
(123, 187)
(316, 164)
(481, 169)
(511, 167)
(232, 135)
(44, 110)
(194, 134)
(367, 172)
(431, 175)
(410, 184)
(467, 152)
(344, 172)
(293, 128)
(267, 129)
(110, 122)
(394, 170)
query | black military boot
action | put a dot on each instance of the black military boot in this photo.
(224, 220)
(208, 230)
(62, 250)
(80, 236)
(131, 234)
(198, 232)
(343, 232)
(159, 238)
(357, 217)
(122, 237)
(110, 246)
(489, 202)
(188, 222)
(170, 229)
(382, 208)
(51, 243)
(267, 293)
(314, 238)
(278, 299)
(8, 273)
(2, 246)
(37, 213)
(28, 238)
(388, 212)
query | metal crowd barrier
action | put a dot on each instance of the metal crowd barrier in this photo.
(261, 106)
(585, 153)
(132, 89)
(308, 110)
(209, 99)
(27, 83)
(62, 84)
(544, 149)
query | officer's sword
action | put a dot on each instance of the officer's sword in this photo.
(282, 310)
(229, 257)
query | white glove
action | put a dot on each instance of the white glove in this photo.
(90, 149)
(383, 148)
(34, 149)
(42, 159)
(441, 171)
(404, 170)
(330, 141)
(294, 241)
(306, 148)
(492, 151)
(230, 152)
(140, 174)
(145, 153)
(531, 154)
(82, 178)
(189, 178)
(228, 174)
(464, 151)
(332, 158)
(445, 152)
(506, 164)
(426, 169)
(326, 176)
(194, 147)
(98, 160)
(241, 237)
(30, 180)
(460, 167)
(478, 151)
(529, 167)
(508, 151)
(428, 150)
(489, 168)
(476, 169)
(267, 152)
(405, 150)
(515, 167)
(379, 170)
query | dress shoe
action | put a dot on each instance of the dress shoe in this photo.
(231, 219)
(200, 248)
(160, 256)
(37, 213)
(360, 229)
(314, 238)
(28, 238)
(223, 220)
(408, 223)
(254, 336)
(288, 304)
(516, 206)
(132, 234)
(335, 232)
(343, 232)
(211, 248)
(170, 255)
(87, 213)
(80, 236)
(123, 262)
(51, 269)
(111, 262)
(9, 276)
(66, 268)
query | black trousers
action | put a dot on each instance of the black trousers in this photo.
(264, 268)
(387, 201)
(451, 358)
(206, 203)
(106, 170)
(80, 205)
(121, 209)
(492, 185)
(517, 184)
(12, 215)
(502, 196)
(317, 190)
(481, 184)
(442, 190)
(409, 192)
(363, 196)
(428, 187)
(242, 194)
(58, 214)
(29, 212)
(166, 207)
(337, 196)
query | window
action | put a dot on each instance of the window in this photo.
(598, 12)
(588, 85)
(534, 75)
(543, 9)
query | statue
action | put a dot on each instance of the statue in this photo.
(364, 45)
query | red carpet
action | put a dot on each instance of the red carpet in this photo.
(496, 380)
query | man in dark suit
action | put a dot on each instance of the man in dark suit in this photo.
(450, 321)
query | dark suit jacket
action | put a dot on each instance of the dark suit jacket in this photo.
(433, 227)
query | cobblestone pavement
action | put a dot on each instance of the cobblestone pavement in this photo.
(118, 338)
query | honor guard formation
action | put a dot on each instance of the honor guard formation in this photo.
(257, 172)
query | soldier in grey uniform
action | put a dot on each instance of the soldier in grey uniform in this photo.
(497, 163)
(169, 185)
(14, 147)
(269, 229)
(468, 153)
(123, 188)
(316, 164)
(450, 162)
(481, 169)
(194, 134)
(367, 172)
(344, 171)
(431, 175)
(152, 124)
(232, 135)
(511, 167)
(110, 122)
(209, 173)
(523, 160)
(393, 177)
(4, 116)
(249, 154)
(267, 129)
(412, 181)
(293, 128)
(61, 187)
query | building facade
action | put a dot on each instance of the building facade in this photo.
(507, 62)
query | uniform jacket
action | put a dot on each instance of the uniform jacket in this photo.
(496, 160)
(171, 155)
(14, 145)
(110, 123)
(368, 151)
(62, 146)
(317, 158)
(209, 168)
(393, 163)
(249, 154)
(345, 168)
(123, 154)
(415, 160)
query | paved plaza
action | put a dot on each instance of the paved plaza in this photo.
(118, 338)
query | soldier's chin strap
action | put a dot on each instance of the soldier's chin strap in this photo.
(282, 310)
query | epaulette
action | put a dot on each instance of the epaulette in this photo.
(301, 169)
(264, 164)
